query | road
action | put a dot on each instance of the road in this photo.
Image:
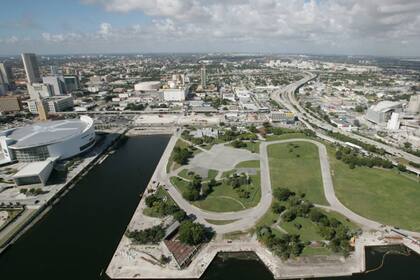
(287, 97)
(246, 219)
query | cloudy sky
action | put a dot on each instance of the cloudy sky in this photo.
(376, 27)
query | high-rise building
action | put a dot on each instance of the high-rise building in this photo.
(3, 89)
(414, 104)
(53, 70)
(203, 77)
(71, 82)
(57, 82)
(10, 104)
(6, 76)
(30, 63)
(37, 91)
(51, 104)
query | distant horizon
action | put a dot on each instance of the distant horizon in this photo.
(210, 53)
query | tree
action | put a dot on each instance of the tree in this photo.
(191, 194)
(192, 233)
(289, 215)
(327, 232)
(315, 215)
(151, 235)
(180, 215)
(151, 199)
(282, 194)
(401, 167)
(238, 144)
(278, 208)
(181, 155)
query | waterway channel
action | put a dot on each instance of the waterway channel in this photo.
(77, 238)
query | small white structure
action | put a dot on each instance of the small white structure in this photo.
(394, 122)
(175, 95)
(147, 86)
(207, 131)
(34, 172)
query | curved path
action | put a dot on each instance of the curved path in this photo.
(246, 219)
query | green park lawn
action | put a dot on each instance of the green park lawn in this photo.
(296, 166)
(171, 164)
(253, 147)
(308, 231)
(224, 198)
(381, 195)
(286, 136)
(318, 251)
(249, 164)
(220, 222)
(184, 174)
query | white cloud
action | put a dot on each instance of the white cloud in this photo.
(357, 26)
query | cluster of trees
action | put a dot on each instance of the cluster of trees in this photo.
(367, 147)
(269, 129)
(217, 102)
(317, 110)
(237, 181)
(151, 235)
(284, 246)
(360, 108)
(182, 155)
(353, 159)
(291, 206)
(33, 191)
(416, 165)
(332, 230)
(239, 144)
(189, 233)
(136, 107)
(193, 233)
(295, 205)
(198, 190)
(408, 147)
(163, 208)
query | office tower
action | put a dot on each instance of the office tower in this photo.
(6, 76)
(53, 70)
(71, 83)
(10, 104)
(42, 110)
(57, 83)
(30, 63)
(3, 89)
(37, 91)
(203, 77)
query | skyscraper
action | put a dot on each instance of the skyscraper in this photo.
(57, 82)
(203, 77)
(31, 68)
(6, 76)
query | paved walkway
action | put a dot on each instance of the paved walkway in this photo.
(246, 219)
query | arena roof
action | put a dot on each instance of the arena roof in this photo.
(46, 133)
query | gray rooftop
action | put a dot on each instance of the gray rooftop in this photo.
(46, 133)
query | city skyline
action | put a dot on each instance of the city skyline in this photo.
(384, 28)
